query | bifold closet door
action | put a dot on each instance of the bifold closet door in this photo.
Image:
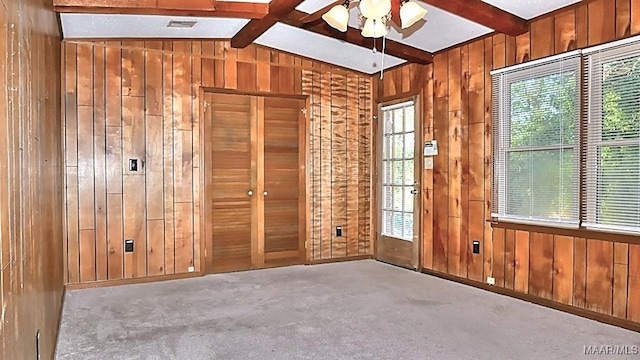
(284, 181)
(231, 171)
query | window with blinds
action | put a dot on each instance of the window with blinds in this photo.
(612, 170)
(536, 140)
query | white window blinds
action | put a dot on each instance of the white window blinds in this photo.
(536, 140)
(612, 170)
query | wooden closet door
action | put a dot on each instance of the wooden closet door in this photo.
(284, 181)
(230, 142)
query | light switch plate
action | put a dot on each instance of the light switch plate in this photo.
(428, 163)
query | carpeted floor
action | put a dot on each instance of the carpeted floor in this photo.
(351, 310)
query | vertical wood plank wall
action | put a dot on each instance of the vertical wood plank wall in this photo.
(31, 171)
(598, 275)
(135, 99)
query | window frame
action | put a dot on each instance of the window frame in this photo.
(593, 128)
(391, 108)
(558, 64)
(583, 148)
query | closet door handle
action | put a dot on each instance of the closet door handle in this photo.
(250, 193)
(265, 193)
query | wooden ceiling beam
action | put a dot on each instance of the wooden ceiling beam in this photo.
(202, 8)
(316, 16)
(256, 27)
(485, 14)
(353, 36)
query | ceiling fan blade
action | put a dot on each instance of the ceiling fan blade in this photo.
(318, 14)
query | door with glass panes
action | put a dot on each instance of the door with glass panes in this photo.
(398, 169)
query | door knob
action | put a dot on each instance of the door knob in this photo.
(414, 191)
(265, 193)
(250, 193)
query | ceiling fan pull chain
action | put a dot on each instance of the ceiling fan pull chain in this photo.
(384, 44)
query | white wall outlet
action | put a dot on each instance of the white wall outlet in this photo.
(191, 269)
(491, 281)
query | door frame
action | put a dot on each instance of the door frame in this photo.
(376, 213)
(205, 196)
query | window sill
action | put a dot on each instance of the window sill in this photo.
(579, 232)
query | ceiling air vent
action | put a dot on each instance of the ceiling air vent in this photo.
(183, 24)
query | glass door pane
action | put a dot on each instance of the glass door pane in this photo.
(398, 178)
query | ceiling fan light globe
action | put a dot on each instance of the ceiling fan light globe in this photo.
(411, 13)
(337, 17)
(374, 28)
(375, 9)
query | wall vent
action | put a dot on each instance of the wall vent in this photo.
(183, 24)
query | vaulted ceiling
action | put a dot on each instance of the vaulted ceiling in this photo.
(295, 25)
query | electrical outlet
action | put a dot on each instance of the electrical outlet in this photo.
(338, 231)
(191, 269)
(491, 281)
(128, 245)
(476, 246)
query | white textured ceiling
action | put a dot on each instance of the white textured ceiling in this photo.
(438, 31)
(528, 9)
(148, 26)
(323, 48)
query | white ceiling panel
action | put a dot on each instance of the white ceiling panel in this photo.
(327, 49)
(145, 26)
(311, 6)
(438, 30)
(528, 9)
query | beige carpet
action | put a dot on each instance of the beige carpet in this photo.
(354, 310)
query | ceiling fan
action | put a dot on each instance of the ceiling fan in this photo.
(376, 15)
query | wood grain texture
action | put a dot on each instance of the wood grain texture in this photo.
(33, 171)
(283, 183)
(441, 164)
(427, 176)
(352, 166)
(541, 266)
(563, 269)
(509, 258)
(551, 266)
(99, 164)
(633, 307)
(521, 281)
(599, 289)
(145, 104)
(635, 16)
(338, 161)
(580, 273)
(457, 83)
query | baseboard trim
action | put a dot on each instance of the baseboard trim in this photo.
(623, 323)
(342, 259)
(145, 280)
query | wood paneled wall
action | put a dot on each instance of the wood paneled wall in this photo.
(141, 100)
(598, 275)
(31, 171)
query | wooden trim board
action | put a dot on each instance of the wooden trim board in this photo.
(145, 280)
(626, 324)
